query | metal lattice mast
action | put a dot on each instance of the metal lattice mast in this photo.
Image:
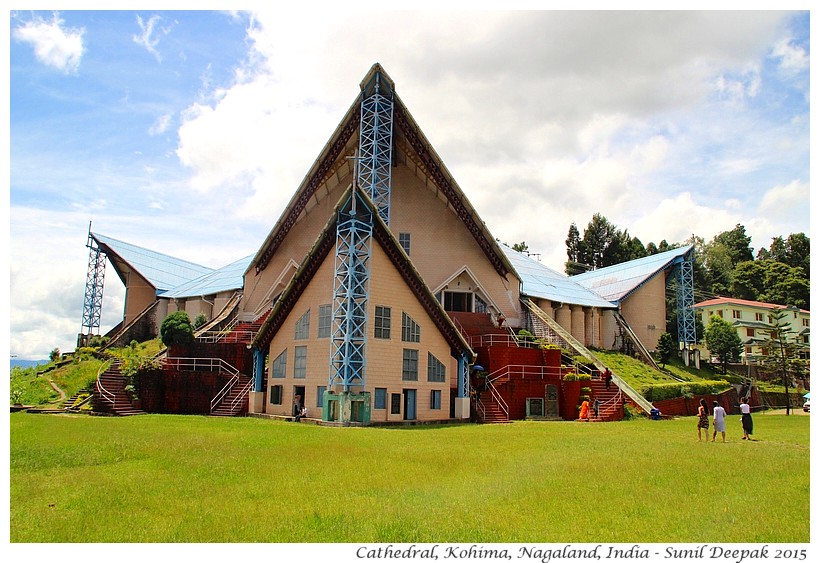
(351, 286)
(686, 302)
(376, 144)
(94, 282)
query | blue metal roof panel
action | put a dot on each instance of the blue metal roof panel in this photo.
(538, 280)
(163, 271)
(614, 283)
(227, 278)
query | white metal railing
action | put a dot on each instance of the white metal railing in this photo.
(224, 391)
(106, 395)
(499, 399)
(487, 340)
(241, 395)
(200, 364)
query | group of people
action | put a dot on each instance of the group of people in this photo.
(719, 420)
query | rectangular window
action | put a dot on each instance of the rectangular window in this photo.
(720, 314)
(435, 399)
(380, 398)
(750, 332)
(300, 362)
(382, 322)
(736, 314)
(436, 371)
(410, 365)
(280, 365)
(410, 330)
(806, 322)
(276, 394)
(759, 317)
(325, 315)
(404, 241)
(320, 396)
(303, 326)
(395, 403)
(479, 305)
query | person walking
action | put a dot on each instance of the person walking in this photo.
(746, 418)
(719, 421)
(703, 419)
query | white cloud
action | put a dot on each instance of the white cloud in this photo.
(784, 203)
(54, 46)
(147, 37)
(161, 125)
(793, 59)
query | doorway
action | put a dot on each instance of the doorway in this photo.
(409, 404)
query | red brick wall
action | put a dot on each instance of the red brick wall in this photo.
(236, 354)
(173, 392)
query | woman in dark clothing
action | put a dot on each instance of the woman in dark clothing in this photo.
(703, 419)
(746, 418)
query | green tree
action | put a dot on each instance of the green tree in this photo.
(200, 320)
(176, 329)
(780, 348)
(573, 265)
(723, 341)
(666, 348)
(54, 355)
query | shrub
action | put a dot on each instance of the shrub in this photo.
(177, 329)
(665, 391)
(200, 320)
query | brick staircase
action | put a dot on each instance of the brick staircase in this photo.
(110, 395)
(245, 331)
(493, 414)
(611, 408)
(235, 402)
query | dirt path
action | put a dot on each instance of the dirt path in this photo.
(59, 399)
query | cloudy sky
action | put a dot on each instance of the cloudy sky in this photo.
(187, 132)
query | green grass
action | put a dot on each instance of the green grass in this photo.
(164, 478)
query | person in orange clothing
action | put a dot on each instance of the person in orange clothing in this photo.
(584, 410)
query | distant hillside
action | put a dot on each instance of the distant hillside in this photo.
(26, 363)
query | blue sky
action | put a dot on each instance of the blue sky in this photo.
(188, 132)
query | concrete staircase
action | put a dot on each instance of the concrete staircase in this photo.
(110, 395)
(236, 401)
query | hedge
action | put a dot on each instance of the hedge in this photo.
(663, 391)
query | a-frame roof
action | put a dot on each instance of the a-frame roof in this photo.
(616, 283)
(226, 278)
(540, 281)
(342, 144)
(320, 251)
(160, 270)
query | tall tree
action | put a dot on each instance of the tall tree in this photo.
(574, 265)
(723, 341)
(780, 347)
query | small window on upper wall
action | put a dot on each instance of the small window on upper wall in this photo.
(280, 364)
(436, 372)
(410, 365)
(300, 362)
(410, 329)
(404, 241)
(381, 323)
(303, 326)
(325, 315)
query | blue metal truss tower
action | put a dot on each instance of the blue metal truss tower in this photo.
(376, 144)
(94, 282)
(686, 302)
(351, 286)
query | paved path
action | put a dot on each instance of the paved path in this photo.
(59, 399)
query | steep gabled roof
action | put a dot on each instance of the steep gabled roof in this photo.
(616, 283)
(160, 270)
(343, 143)
(320, 251)
(227, 278)
(538, 280)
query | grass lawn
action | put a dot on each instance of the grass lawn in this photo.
(165, 478)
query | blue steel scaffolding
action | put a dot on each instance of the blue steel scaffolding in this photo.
(686, 302)
(94, 282)
(376, 144)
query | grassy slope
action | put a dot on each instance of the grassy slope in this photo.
(163, 478)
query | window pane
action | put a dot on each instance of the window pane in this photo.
(395, 403)
(320, 396)
(410, 365)
(280, 364)
(436, 371)
(380, 399)
(325, 314)
(435, 399)
(300, 362)
(410, 330)
(382, 322)
(303, 326)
